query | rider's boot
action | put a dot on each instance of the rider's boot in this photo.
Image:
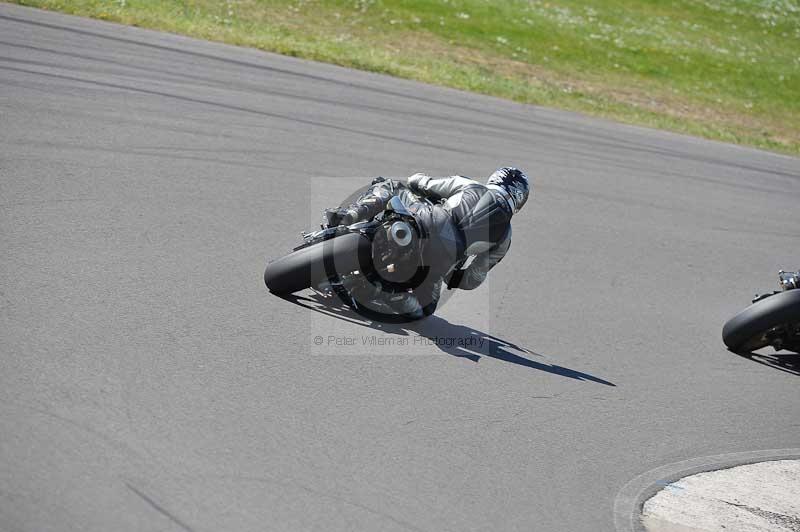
(364, 209)
(334, 217)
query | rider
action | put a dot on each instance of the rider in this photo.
(464, 218)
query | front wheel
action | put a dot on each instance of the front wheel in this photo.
(314, 264)
(760, 323)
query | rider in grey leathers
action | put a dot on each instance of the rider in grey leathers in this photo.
(464, 219)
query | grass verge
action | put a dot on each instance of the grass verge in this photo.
(721, 69)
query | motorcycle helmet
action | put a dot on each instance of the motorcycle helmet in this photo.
(513, 182)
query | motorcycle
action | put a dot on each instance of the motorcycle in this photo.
(771, 320)
(382, 252)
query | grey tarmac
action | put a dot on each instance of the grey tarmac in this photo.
(148, 381)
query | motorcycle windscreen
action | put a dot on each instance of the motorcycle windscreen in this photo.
(397, 205)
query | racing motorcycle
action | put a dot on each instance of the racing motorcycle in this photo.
(382, 252)
(773, 319)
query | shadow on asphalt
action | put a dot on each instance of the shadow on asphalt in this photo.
(789, 363)
(456, 340)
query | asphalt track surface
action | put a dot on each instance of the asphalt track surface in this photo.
(150, 382)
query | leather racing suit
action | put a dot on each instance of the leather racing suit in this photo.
(463, 219)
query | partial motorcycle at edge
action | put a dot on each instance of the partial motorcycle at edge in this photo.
(772, 320)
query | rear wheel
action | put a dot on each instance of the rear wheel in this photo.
(762, 322)
(314, 264)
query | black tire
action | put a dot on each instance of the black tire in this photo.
(311, 265)
(745, 331)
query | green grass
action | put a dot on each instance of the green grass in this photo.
(722, 69)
